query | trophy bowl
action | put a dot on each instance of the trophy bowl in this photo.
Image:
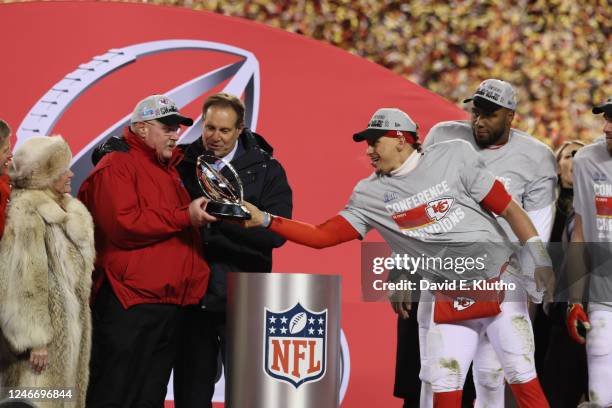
(224, 192)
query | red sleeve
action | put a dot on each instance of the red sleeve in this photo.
(110, 196)
(332, 232)
(497, 199)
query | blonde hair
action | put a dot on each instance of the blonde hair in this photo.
(560, 149)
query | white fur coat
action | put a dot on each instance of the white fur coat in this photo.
(46, 261)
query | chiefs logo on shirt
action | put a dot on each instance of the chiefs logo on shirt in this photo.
(424, 214)
(436, 210)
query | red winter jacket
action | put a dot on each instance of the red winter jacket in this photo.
(5, 192)
(145, 243)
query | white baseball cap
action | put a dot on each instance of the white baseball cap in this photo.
(605, 107)
(386, 120)
(493, 94)
(161, 108)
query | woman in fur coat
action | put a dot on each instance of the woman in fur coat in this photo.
(46, 261)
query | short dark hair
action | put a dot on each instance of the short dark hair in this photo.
(416, 145)
(5, 131)
(225, 100)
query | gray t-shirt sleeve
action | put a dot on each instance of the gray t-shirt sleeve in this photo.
(580, 190)
(431, 136)
(475, 177)
(355, 213)
(540, 192)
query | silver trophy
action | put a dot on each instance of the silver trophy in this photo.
(225, 195)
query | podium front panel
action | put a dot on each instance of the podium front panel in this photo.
(283, 340)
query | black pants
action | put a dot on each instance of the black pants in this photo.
(197, 366)
(132, 352)
(564, 373)
(407, 360)
(469, 391)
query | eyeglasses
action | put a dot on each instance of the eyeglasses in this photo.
(165, 128)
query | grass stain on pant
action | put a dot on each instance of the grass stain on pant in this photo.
(454, 369)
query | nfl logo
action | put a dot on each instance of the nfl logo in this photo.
(295, 342)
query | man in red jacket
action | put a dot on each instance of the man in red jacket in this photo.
(149, 260)
(5, 160)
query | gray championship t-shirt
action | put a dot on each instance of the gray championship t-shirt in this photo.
(433, 211)
(524, 165)
(592, 176)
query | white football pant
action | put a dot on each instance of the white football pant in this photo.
(448, 349)
(599, 357)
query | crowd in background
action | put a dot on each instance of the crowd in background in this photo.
(556, 52)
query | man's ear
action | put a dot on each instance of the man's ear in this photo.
(140, 129)
(509, 117)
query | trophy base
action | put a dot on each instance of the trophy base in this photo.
(228, 210)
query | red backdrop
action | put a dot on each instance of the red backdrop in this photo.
(313, 97)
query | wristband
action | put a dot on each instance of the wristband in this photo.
(538, 252)
(267, 220)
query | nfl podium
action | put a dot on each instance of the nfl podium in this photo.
(283, 340)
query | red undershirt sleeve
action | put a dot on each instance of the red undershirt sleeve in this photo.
(497, 199)
(332, 232)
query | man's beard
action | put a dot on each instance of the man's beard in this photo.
(491, 140)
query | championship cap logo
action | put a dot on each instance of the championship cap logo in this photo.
(295, 342)
(385, 120)
(494, 91)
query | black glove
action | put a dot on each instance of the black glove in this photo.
(113, 144)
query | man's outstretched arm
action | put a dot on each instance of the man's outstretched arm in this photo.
(332, 232)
